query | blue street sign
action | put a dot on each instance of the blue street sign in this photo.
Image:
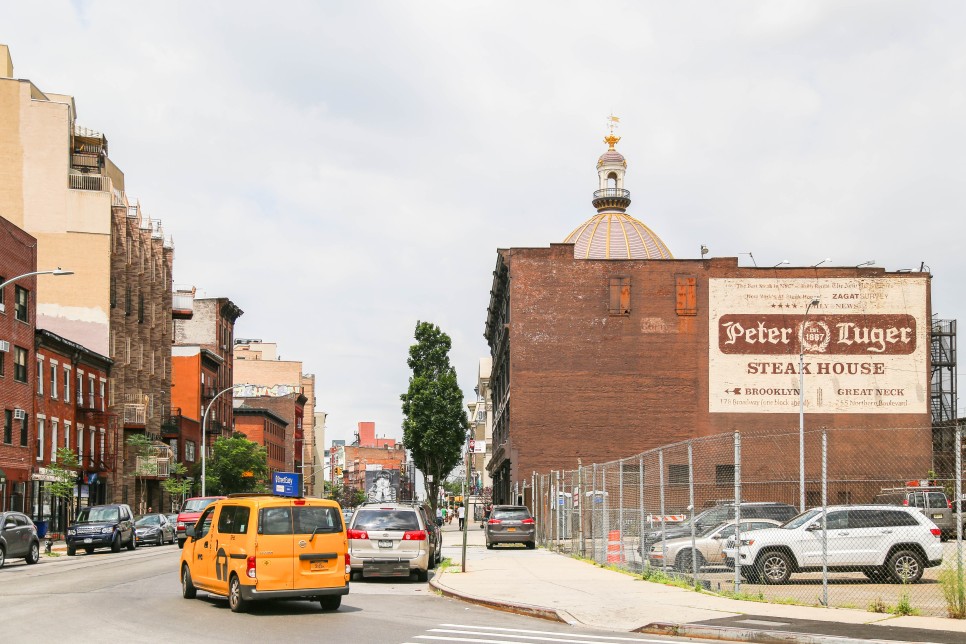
(287, 484)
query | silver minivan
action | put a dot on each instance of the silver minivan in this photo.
(930, 500)
(391, 539)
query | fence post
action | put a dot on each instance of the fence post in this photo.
(593, 518)
(620, 507)
(558, 509)
(640, 535)
(604, 512)
(533, 504)
(824, 512)
(660, 466)
(960, 591)
(694, 547)
(580, 510)
(737, 510)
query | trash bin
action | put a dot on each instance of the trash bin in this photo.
(41, 528)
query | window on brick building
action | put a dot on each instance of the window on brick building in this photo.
(189, 451)
(127, 300)
(53, 380)
(20, 364)
(2, 280)
(2, 366)
(41, 426)
(724, 474)
(678, 474)
(66, 384)
(23, 431)
(40, 375)
(20, 303)
(8, 426)
(113, 292)
(620, 296)
(141, 308)
(686, 302)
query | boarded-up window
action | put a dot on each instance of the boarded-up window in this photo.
(678, 474)
(724, 474)
(620, 296)
(687, 297)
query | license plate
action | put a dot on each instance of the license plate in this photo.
(511, 529)
(87, 540)
(937, 516)
(318, 565)
(385, 543)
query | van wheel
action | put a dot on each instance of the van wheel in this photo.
(906, 567)
(331, 602)
(422, 575)
(71, 550)
(188, 590)
(776, 567)
(235, 601)
(132, 544)
(116, 543)
(34, 555)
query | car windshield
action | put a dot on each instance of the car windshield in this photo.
(150, 519)
(94, 515)
(379, 519)
(706, 531)
(802, 519)
(196, 505)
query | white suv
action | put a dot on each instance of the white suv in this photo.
(883, 542)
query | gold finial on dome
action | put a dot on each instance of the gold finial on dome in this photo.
(611, 139)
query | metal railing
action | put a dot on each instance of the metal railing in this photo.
(135, 414)
(94, 182)
(609, 193)
(636, 514)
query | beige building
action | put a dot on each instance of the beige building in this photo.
(58, 183)
(481, 429)
(258, 363)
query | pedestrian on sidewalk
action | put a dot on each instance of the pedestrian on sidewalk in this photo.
(439, 517)
(461, 513)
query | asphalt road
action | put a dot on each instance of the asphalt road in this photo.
(136, 597)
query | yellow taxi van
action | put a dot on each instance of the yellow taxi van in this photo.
(252, 547)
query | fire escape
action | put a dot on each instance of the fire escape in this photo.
(943, 399)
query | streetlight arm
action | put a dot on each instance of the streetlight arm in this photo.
(204, 438)
(56, 271)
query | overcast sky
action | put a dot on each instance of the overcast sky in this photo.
(341, 170)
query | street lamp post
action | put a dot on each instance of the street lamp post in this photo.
(801, 406)
(56, 271)
(204, 433)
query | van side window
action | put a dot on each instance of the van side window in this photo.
(233, 519)
(275, 521)
(317, 519)
(938, 500)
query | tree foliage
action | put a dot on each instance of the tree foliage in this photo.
(236, 465)
(142, 449)
(434, 424)
(177, 484)
(64, 473)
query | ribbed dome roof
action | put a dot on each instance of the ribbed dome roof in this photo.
(612, 157)
(615, 235)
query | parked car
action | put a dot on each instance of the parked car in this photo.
(261, 547)
(172, 518)
(883, 542)
(102, 526)
(392, 540)
(347, 515)
(708, 546)
(930, 500)
(18, 538)
(715, 516)
(510, 524)
(153, 528)
(190, 511)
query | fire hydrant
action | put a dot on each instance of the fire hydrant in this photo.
(48, 545)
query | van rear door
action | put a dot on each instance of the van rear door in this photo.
(274, 548)
(320, 545)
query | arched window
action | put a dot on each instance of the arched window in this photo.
(612, 180)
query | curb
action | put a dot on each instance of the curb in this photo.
(729, 634)
(527, 610)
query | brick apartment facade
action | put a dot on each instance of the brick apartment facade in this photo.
(266, 428)
(17, 364)
(69, 413)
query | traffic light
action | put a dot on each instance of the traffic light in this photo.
(338, 471)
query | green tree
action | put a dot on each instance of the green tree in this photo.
(145, 465)
(434, 424)
(64, 473)
(177, 484)
(236, 465)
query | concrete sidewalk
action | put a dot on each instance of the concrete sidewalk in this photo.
(544, 584)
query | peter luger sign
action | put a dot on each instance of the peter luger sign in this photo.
(865, 345)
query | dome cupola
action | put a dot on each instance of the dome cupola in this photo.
(612, 233)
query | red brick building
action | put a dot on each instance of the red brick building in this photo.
(18, 314)
(70, 413)
(289, 409)
(605, 346)
(266, 428)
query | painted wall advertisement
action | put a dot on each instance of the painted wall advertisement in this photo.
(382, 485)
(865, 345)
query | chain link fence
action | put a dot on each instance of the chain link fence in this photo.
(846, 517)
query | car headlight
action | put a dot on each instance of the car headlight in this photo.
(747, 542)
(106, 530)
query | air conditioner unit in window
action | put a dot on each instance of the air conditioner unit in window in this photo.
(4, 346)
(19, 414)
